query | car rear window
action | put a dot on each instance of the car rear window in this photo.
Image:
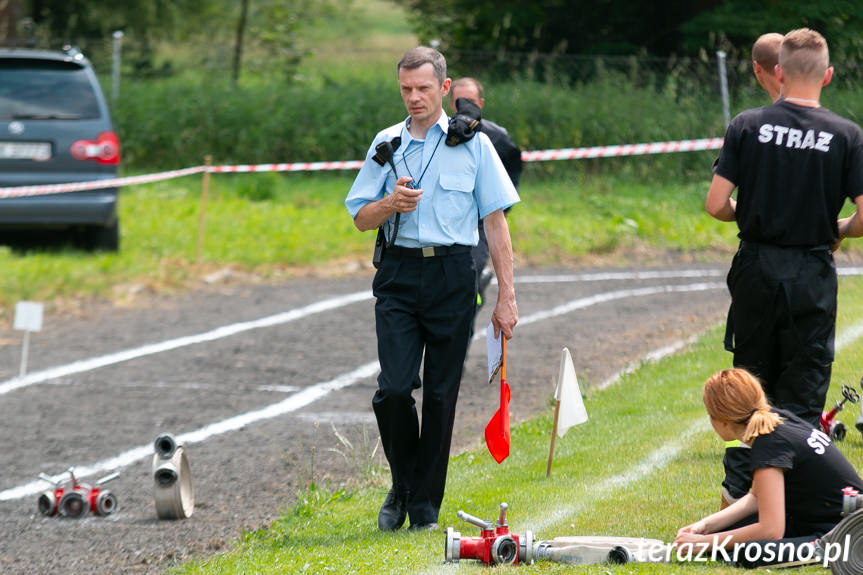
(45, 89)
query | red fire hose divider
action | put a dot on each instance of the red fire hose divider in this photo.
(528, 156)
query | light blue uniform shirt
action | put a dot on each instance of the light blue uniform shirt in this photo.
(457, 183)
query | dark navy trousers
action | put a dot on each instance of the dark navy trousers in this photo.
(423, 316)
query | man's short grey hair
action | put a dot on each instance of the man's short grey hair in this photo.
(420, 55)
(467, 81)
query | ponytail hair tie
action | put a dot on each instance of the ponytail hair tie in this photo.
(748, 417)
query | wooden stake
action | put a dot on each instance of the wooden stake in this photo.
(202, 215)
(553, 434)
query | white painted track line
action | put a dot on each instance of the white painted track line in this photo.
(171, 344)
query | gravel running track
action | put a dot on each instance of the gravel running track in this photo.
(245, 477)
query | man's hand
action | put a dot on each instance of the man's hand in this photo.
(404, 199)
(505, 316)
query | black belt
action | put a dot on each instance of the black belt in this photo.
(753, 246)
(428, 252)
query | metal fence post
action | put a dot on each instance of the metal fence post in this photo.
(117, 48)
(723, 86)
(202, 212)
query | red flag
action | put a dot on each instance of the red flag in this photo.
(497, 430)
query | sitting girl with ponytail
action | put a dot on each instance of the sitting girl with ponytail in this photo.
(798, 474)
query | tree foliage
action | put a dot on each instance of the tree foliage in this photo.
(270, 25)
(79, 21)
(556, 26)
(614, 27)
(735, 24)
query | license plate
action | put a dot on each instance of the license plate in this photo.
(36, 151)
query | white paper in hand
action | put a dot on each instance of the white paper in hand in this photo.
(494, 352)
(572, 411)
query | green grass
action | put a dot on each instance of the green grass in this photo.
(566, 218)
(596, 488)
(368, 42)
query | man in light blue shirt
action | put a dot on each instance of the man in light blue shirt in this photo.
(426, 284)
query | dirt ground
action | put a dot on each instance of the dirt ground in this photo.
(245, 478)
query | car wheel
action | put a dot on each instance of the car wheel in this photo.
(105, 238)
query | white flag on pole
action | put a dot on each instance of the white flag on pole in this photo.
(572, 411)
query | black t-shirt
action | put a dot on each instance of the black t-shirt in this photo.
(815, 474)
(794, 167)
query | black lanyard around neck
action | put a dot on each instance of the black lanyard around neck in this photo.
(404, 161)
(411, 185)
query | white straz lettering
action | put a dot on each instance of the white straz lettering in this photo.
(818, 441)
(794, 138)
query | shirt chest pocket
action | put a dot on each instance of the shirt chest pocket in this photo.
(455, 198)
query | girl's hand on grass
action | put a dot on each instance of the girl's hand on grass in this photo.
(684, 536)
(686, 533)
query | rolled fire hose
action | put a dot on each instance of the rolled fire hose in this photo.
(583, 550)
(172, 479)
(850, 531)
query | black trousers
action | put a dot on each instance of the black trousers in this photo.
(423, 315)
(781, 327)
(780, 552)
(782, 323)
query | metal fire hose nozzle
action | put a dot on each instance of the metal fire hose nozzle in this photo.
(852, 500)
(165, 445)
(105, 504)
(47, 503)
(526, 548)
(166, 474)
(74, 503)
(501, 520)
(504, 550)
(107, 478)
(468, 518)
(452, 546)
(51, 480)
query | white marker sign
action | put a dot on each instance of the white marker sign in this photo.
(28, 316)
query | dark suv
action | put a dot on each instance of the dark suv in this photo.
(55, 128)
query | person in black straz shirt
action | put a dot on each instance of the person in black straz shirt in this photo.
(798, 473)
(794, 164)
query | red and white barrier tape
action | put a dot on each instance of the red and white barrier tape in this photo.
(533, 156)
(21, 191)
(297, 167)
(624, 150)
